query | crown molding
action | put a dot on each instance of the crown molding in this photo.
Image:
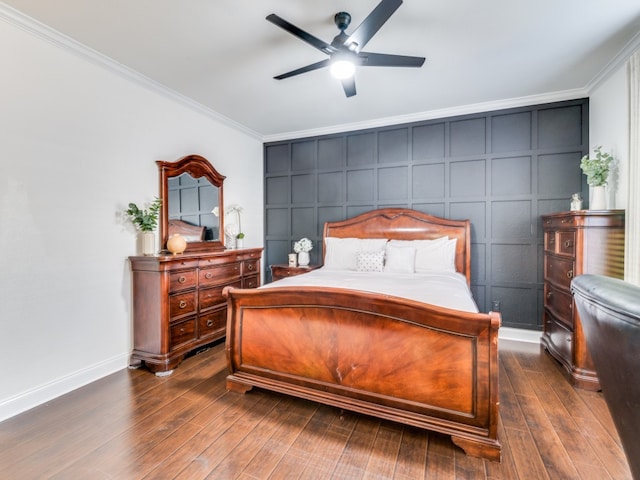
(54, 37)
(435, 114)
(615, 64)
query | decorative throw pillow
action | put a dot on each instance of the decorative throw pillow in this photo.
(340, 253)
(399, 259)
(370, 261)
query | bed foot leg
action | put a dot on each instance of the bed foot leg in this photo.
(238, 387)
(484, 448)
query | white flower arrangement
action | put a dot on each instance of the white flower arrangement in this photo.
(237, 209)
(303, 245)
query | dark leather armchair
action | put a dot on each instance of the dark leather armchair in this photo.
(610, 313)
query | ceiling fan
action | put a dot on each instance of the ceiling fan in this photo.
(345, 51)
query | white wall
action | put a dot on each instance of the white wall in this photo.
(609, 127)
(78, 141)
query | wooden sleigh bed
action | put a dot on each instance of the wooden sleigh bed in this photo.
(381, 355)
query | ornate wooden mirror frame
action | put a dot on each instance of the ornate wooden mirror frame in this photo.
(197, 167)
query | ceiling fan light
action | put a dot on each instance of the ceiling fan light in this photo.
(342, 69)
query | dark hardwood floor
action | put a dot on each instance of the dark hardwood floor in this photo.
(134, 425)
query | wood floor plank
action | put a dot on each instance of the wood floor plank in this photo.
(567, 430)
(549, 446)
(506, 469)
(527, 460)
(287, 431)
(412, 456)
(133, 425)
(294, 462)
(357, 451)
(384, 453)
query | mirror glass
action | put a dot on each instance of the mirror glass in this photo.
(191, 190)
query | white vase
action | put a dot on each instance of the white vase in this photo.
(148, 243)
(303, 259)
(239, 242)
(598, 200)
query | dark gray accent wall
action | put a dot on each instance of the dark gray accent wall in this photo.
(500, 169)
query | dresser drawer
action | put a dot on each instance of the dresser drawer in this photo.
(220, 274)
(182, 280)
(209, 297)
(555, 221)
(560, 304)
(559, 271)
(181, 333)
(181, 304)
(252, 281)
(567, 243)
(182, 264)
(559, 336)
(250, 267)
(550, 241)
(212, 322)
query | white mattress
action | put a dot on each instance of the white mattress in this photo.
(447, 290)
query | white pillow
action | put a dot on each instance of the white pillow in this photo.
(341, 253)
(370, 261)
(441, 257)
(399, 259)
(437, 255)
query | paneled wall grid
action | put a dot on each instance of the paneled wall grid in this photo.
(500, 169)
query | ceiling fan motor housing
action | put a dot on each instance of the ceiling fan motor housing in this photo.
(343, 20)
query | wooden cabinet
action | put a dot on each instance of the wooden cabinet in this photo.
(283, 271)
(178, 304)
(576, 243)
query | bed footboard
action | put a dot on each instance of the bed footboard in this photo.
(395, 359)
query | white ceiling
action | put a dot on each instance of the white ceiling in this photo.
(223, 54)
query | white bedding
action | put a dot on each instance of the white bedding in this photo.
(447, 290)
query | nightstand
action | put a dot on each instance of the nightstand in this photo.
(283, 271)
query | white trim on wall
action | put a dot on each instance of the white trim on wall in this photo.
(41, 394)
(436, 114)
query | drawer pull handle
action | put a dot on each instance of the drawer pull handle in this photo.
(182, 279)
(549, 294)
(209, 323)
(182, 304)
(567, 243)
(570, 274)
(208, 275)
(182, 330)
(250, 267)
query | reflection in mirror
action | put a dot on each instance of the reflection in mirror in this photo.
(191, 190)
(191, 202)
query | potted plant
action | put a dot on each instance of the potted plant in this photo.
(239, 236)
(597, 168)
(146, 220)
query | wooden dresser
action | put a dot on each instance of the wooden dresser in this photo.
(575, 243)
(178, 304)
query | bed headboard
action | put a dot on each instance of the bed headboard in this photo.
(406, 224)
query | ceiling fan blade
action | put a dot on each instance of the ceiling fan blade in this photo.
(308, 68)
(349, 86)
(301, 34)
(367, 59)
(368, 28)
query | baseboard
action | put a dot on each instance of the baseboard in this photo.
(43, 393)
(47, 392)
(519, 335)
